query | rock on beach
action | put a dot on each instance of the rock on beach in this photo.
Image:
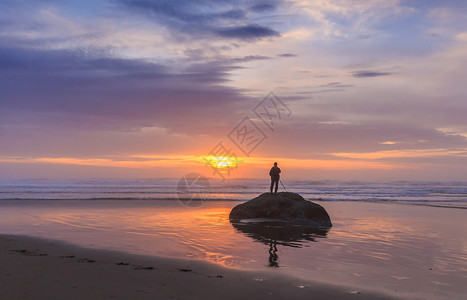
(285, 206)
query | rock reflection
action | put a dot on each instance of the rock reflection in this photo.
(279, 233)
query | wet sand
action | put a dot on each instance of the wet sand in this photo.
(405, 251)
(33, 268)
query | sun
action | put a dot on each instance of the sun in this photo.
(222, 163)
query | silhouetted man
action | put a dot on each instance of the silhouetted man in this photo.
(274, 173)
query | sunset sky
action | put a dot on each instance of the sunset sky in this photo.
(376, 89)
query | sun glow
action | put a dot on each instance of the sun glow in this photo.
(213, 166)
(222, 163)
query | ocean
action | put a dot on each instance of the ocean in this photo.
(429, 193)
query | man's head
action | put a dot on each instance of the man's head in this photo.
(275, 164)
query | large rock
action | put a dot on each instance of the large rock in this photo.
(289, 207)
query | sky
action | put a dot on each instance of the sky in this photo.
(362, 90)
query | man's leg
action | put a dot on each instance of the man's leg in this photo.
(277, 185)
(272, 184)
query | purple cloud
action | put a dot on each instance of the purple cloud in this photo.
(79, 91)
(248, 32)
(225, 19)
(287, 55)
(364, 74)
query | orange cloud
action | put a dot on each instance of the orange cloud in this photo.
(131, 161)
(328, 164)
(149, 161)
(404, 153)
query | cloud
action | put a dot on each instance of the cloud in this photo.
(452, 131)
(337, 85)
(363, 74)
(248, 32)
(415, 153)
(327, 129)
(115, 162)
(363, 36)
(287, 55)
(250, 58)
(41, 88)
(262, 7)
(186, 11)
(225, 19)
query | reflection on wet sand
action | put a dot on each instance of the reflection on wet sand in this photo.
(273, 257)
(279, 233)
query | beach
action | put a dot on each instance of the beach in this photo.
(46, 269)
(154, 248)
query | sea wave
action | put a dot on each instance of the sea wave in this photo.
(445, 194)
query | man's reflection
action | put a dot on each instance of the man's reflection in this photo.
(273, 257)
(279, 233)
